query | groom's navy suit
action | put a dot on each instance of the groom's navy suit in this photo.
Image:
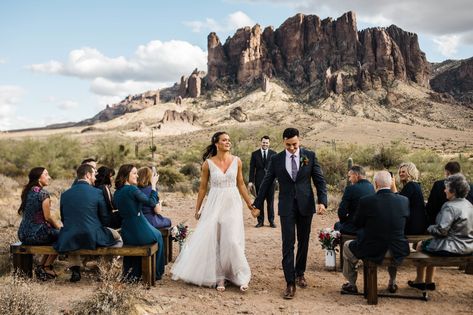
(296, 206)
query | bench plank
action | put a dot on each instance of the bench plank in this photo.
(23, 257)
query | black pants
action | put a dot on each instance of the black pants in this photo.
(269, 206)
(292, 225)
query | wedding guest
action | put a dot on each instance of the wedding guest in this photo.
(90, 161)
(359, 187)
(103, 182)
(38, 226)
(136, 230)
(417, 221)
(383, 218)
(452, 232)
(437, 194)
(258, 164)
(85, 217)
(153, 215)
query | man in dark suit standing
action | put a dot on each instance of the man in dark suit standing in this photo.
(258, 163)
(294, 168)
(437, 195)
(85, 217)
(382, 218)
(359, 187)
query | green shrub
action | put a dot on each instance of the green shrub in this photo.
(169, 177)
(190, 170)
(112, 152)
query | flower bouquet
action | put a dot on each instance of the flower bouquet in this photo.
(329, 239)
(179, 233)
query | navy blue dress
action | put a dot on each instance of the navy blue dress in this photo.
(136, 230)
(417, 221)
(34, 229)
(156, 220)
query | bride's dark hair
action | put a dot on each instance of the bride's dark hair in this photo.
(211, 149)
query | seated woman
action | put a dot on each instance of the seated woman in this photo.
(103, 181)
(453, 231)
(153, 215)
(136, 230)
(38, 226)
(417, 221)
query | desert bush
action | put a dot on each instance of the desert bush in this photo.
(7, 185)
(112, 152)
(169, 176)
(59, 154)
(20, 296)
(190, 170)
(169, 160)
(8, 235)
(389, 156)
(111, 296)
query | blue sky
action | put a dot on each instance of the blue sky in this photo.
(65, 60)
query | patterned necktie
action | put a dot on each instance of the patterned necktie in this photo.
(293, 167)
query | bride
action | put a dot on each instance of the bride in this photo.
(215, 251)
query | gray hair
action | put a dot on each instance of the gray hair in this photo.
(457, 185)
(383, 179)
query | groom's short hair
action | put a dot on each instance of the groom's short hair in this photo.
(289, 133)
(265, 137)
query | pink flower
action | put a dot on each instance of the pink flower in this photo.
(36, 189)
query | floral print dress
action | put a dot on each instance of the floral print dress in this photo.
(34, 229)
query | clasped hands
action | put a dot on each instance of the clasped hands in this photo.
(254, 211)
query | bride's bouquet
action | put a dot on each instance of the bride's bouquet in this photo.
(179, 233)
(329, 238)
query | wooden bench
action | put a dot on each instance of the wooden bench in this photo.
(348, 237)
(370, 271)
(167, 240)
(23, 257)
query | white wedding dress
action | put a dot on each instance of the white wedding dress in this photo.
(215, 251)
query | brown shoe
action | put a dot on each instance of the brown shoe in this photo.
(301, 282)
(290, 291)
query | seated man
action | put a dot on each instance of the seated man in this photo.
(84, 215)
(382, 217)
(359, 187)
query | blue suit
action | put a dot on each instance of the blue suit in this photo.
(84, 215)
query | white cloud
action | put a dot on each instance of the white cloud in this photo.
(153, 65)
(232, 22)
(67, 104)
(2, 61)
(10, 96)
(447, 44)
(425, 16)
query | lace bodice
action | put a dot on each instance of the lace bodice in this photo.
(218, 179)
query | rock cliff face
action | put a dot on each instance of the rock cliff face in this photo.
(454, 77)
(327, 55)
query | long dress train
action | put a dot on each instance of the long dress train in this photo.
(215, 251)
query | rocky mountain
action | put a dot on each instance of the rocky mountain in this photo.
(454, 77)
(323, 55)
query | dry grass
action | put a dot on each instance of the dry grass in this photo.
(111, 296)
(19, 296)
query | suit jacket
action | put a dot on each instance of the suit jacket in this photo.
(85, 215)
(417, 221)
(437, 198)
(258, 167)
(382, 218)
(300, 189)
(351, 197)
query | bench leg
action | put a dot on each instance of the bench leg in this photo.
(365, 280)
(23, 264)
(153, 269)
(146, 272)
(166, 249)
(372, 283)
(469, 269)
(342, 241)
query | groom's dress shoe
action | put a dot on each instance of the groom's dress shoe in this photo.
(272, 225)
(301, 282)
(258, 225)
(290, 291)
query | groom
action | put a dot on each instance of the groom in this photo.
(294, 168)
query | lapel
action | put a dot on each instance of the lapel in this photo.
(302, 167)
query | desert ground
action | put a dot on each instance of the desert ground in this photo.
(263, 250)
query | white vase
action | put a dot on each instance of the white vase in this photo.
(330, 259)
